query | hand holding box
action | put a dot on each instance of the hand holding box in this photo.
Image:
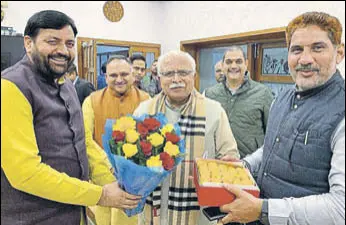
(210, 176)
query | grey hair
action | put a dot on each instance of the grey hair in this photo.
(165, 57)
(233, 49)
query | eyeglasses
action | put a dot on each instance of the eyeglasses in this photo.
(180, 73)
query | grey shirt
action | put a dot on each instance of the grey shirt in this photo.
(324, 209)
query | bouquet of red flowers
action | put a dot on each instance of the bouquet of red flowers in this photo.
(143, 151)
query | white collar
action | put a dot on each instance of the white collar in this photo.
(75, 81)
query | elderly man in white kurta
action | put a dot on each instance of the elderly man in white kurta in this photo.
(205, 129)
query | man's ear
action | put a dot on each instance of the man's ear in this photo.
(340, 53)
(28, 44)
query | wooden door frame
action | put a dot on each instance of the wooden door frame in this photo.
(263, 36)
(108, 42)
(145, 50)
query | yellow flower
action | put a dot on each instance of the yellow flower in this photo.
(168, 128)
(171, 149)
(154, 161)
(124, 123)
(155, 139)
(130, 150)
(131, 135)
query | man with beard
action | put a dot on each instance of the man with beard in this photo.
(219, 77)
(301, 167)
(44, 164)
(151, 83)
(118, 99)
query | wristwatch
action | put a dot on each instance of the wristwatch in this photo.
(264, 213)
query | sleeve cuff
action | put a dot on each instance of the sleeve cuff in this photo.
(94, 195)
(278, 211)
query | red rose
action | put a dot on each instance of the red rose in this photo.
(167, 162)
(164, 155)
(172, 138)
(118, 136)
(152, 124)
(146, 147)
(142, 130)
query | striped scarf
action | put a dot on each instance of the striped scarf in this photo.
(182, 203)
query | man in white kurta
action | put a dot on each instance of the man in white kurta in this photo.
(205, 129)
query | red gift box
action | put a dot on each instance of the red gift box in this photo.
(214, 194)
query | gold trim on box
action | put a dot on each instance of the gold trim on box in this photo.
(113, 11)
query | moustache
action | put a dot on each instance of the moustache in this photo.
(66, 57)
(308, 67)
(120, 83)
(233, 71)
(177, 85)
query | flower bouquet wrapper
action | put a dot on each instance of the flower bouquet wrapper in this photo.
(133, 178)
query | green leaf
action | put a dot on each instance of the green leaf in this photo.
(157, 150)
(135, 158)
(113, 146)
(120, 148)
(142, 161)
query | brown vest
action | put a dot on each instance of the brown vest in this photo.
(108, 106)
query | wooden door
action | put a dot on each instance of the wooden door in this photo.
(87, 69)
(150, 54)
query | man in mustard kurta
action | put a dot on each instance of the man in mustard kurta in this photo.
(118, 99)
(45, 166)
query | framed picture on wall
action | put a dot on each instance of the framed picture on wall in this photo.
(273, 65)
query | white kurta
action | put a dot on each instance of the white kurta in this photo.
(218, 138)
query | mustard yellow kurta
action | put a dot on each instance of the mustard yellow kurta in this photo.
(98, 107)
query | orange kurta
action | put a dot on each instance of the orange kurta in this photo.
(108, 106)
(98, 107)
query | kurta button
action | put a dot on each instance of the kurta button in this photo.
(295, 106)
(298, 96)
(265, 174)
(277, 139)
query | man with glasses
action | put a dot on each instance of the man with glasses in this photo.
(118, 99)
(206, 132)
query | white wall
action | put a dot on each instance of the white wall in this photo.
(192, 20)
(141, 21)
(169, 22)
